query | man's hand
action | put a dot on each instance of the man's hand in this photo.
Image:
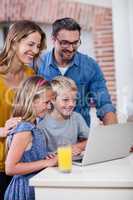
(110, 118)
(131, 149)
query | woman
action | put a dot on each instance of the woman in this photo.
(23, 44)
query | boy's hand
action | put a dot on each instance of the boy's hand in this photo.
(76, 150)
(78, 147)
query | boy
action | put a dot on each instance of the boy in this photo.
(62, 122)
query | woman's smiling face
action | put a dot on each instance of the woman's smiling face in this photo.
(28, 48)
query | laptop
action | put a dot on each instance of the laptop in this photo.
(106, 143)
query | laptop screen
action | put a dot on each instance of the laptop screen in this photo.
(108, 143)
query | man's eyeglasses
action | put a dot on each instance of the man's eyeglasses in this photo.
(67, 44)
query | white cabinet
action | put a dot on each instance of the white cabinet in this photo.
(111, 180)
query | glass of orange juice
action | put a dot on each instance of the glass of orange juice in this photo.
(64, 152)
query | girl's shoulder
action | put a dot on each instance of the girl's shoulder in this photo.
(23, 127)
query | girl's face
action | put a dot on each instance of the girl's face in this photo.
(43, 103)
(28, 48)
(64, 103)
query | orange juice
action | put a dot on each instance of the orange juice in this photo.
(65, 158)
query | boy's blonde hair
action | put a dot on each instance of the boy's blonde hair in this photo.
(60, 83)
(29, 90)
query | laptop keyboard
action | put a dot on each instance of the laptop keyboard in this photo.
(78, 157)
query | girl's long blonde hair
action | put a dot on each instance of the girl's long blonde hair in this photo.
(16, 33)
(29, 90)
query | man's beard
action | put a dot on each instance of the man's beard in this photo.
(67, 56)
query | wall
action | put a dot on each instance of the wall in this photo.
(123, 45)
(1, 38)
(86, 38)
(103, 3)
(93, 19)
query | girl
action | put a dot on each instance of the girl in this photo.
(23, 44)
(27, 145)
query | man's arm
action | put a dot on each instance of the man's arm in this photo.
(110, 118)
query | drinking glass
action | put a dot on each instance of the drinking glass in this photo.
(64, 152)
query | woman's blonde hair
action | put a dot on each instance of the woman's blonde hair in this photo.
(61, 83)
(29, 90)
(16, 33)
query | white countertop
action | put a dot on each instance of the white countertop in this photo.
(117, 173)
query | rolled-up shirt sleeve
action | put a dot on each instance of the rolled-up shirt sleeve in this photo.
(100, 93)
(105, 109)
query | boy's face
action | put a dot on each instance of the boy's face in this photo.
(64, 103)
(43, 103)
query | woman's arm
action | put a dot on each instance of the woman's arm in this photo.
(10, 123)
(3, 132)
(18, 146)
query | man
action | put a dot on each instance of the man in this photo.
(64, 59)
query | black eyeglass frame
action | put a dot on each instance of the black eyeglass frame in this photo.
(66, 44)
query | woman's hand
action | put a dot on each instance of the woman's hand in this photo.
(12, 123)
(3, 132)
